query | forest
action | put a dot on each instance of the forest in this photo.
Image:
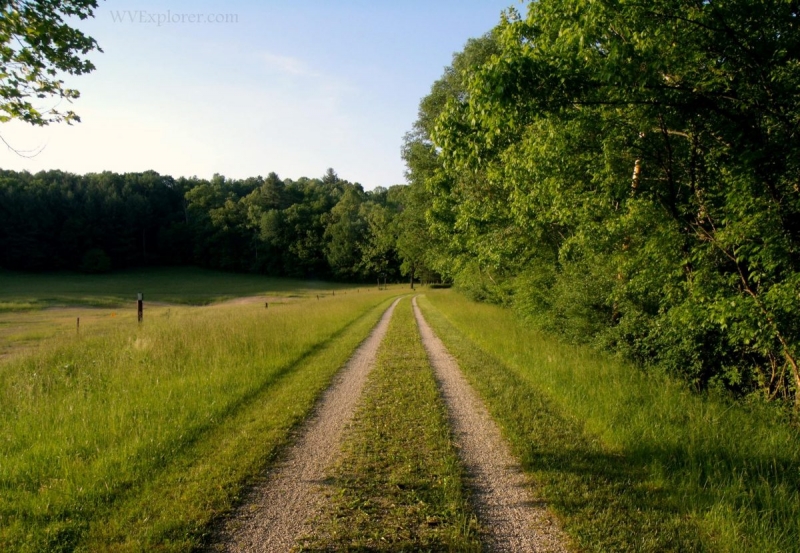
(325, 228)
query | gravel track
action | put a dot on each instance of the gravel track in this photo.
(279, 511)
(514, 520)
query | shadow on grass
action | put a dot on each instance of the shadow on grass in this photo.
(606, 501)
(704, 494)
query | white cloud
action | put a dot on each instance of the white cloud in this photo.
(288, 65)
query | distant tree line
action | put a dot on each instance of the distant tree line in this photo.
(308, 228)
(628, 173)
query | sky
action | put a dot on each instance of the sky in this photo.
(243, 88)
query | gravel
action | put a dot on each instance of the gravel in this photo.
(504, 499)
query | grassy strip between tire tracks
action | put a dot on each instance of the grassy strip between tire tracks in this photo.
(144, 450)
(399, 486)
(630, 462)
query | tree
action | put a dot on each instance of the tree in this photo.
(379, 247)
(36, 47)
(413, 232)
(441, 198)
(330, 177)
(345, 232)
(631, 169)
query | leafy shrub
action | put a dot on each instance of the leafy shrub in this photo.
(95, 261)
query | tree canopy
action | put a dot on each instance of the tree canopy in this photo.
(628, 172)
(308, 228)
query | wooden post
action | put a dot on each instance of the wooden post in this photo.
(78, 328)
(266, 305)
(140, 306)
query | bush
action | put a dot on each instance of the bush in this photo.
(95, 261)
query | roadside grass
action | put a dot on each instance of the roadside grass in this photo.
(399, 485)
(629, 461)
(176, 285)
(136, 438)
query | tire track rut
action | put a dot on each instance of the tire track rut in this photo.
(514, 521)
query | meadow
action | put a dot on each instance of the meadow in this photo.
(133, 437)
(176, 285)
(128, 437)
(630, 461)
(37, 306)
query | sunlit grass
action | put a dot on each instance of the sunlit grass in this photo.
(631, 461)
(17, 306)
(132, 434)
(40, 306)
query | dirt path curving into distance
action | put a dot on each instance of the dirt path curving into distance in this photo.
(514, 520)
(279, 511)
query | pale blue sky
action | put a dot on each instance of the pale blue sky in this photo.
(291, 87)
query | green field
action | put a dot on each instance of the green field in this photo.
(128, 437)
(38, 306)
(132, 437)
(178, 285)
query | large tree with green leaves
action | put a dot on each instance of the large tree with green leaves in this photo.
(37, 47)
(429, 230)
(629, 171)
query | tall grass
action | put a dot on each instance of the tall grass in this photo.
(683, 471)
(100, 434)
(26, 300)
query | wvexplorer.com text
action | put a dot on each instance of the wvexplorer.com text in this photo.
(170, 18)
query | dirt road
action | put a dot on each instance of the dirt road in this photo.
(277, 512)
(280, 511)
(514, 520)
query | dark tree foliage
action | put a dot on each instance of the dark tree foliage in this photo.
(627, 172)
(309, 228)
(52, 219)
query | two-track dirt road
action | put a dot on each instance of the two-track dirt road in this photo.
(278, 512)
